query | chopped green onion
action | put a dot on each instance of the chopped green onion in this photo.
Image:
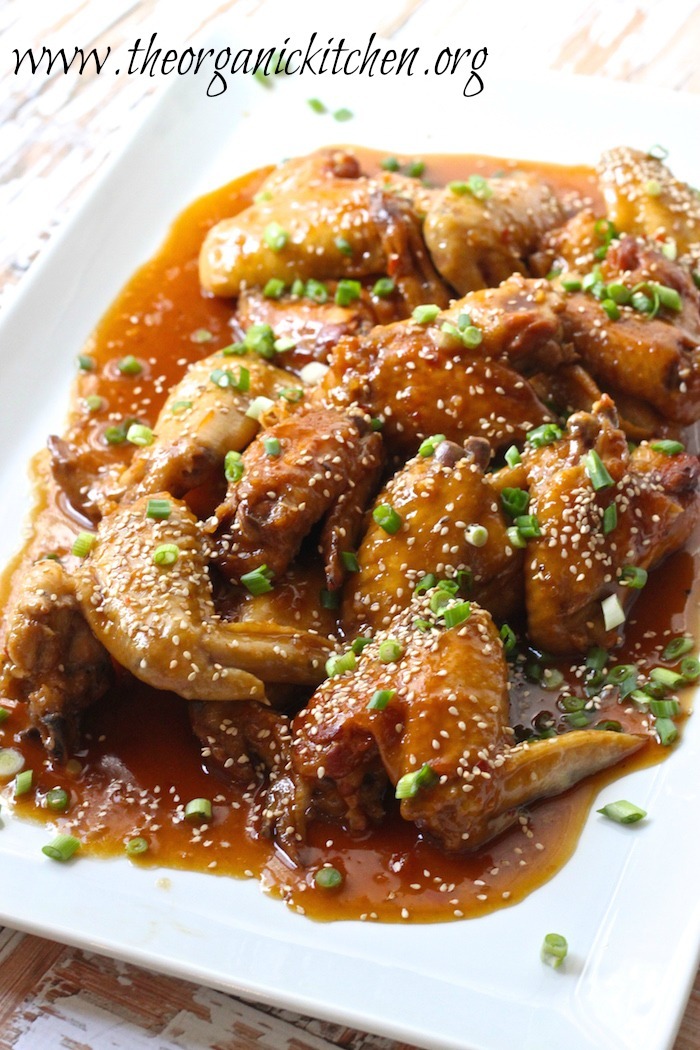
(596, 658)
(623, 812)
(410, 784)
(514, 501)
(620, 673)
(141, 435)
(350, 562)
(130, 366)
(328, 878)
(608, 726)
(677, 647)
(275, 237)
(390, 164)
(292, 393)
(664, 708)
(390, 651)
(571, 704)
(258, 406)
(347, 292)
(387, 518)
(201, 335)
(225, 378)
(427, 447)
(632, 576)
(115, 435)
(159, 509)
(657, 152)
(426, 313)
(85, 362)
(571, 284)
(507, 635)
(93, 402)
(514, 537)
(669, 249)
(298, 287)
(457, 613)
(609, 518)
(653, 188)
(345, 248)
(690, 668)
(383, 288)
(476, 535)
(316, 105)
(577, 719)
(11, 762)
(528, 526)
(4, 714)
(198, 810)
(611, 309)
(597, 471)
(24, 782)
(376, 423)
(134, 847)
(666, 730)
(668, 448)
(669, 298)
(343, 114)
(57, 800)
(472, 336)
(61, 848)
(341, 663)
(546, 434)
(272, 446)
(415, 168)
(513, 457)
(381, 699)
(258, 581)
(359, 644)
(666, 677)
(551, 678)
(330, 599)
(316, 291)
(642, 303)
(274, 289)
(83, 544)
(613, 613)
(234, 467)
(425, 583)
(166, 554)
(178, 407)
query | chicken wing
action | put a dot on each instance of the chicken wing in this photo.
(603, 514)
(444, 502)
(53, 661)
(146, 593)
(435, 718)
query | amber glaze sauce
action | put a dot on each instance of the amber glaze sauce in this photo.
(141, 763)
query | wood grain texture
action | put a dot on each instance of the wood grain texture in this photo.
(56, 134)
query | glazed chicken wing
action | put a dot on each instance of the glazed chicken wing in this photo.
(603, 513)
(54, 662)
(444, 502)
(435, 717)
(146, 593)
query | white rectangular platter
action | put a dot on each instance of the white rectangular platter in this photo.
(628, 900)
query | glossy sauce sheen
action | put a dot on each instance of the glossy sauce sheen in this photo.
(141, 762)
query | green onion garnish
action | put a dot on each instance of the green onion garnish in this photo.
(166, 554)
(620, 673)
(666, 677)
(571, 284)
(528, 526)
(359, 644)
(597, 471)
(381, 699)
(330, 599)
(669, 298)
(596, 658)
(328, 878)
(425, 583)
(552, 678)
(316, 105)
(513, 457)
(666, 730)
(24, 782)
(350, 562)
(201, 335)
(613, 613)
(275, 237)
(514, 501)
(415, 168)
(457, 613)
(427, 447)
(554, 950)
(226, 379)
(410, 784)
(390, 651)
(130, 366)
(514, 537)
(341, 663)
(347, 292)
(61, 848)
(258, 406)
(83, 544)
(11, 762)
(198, 810)
(383, 287)
(546, 434)
(57, 800)
(141, 435)
(690, 668)
(258, 581)
(93, 402)
(272, 446)
(611, 309)
(664, 708)
(316, 291)
(136, 846)
(343, 114)
(390, 164)
(4, 714)
(274, 289)
(345, 248)
(159, 509)
(668, 448)
(476, 535)
(387, 518)
(508, 638)
(677, 647)
(609, 518)
(426, 313)
(623, 812)
(632, 576)
(472, 336)
(178, 407)
(85, 362)
(233, 466)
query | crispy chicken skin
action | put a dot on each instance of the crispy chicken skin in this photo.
(575, 564)
(643, 198)
(447, 719)
(422, 379)
(479, 241)
(439, 499)
(53, 660)
(203, 418)
(160, 622)
(294, 473)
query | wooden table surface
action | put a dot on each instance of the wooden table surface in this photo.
(56, 133)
